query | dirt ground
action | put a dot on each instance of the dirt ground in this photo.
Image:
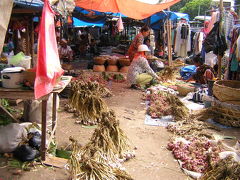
(153, 161)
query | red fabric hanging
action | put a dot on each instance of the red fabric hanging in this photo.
(130, 8)
(48, 68)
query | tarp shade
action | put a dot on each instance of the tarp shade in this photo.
(156, 20)
(84, 11)
(79, 23)
(130, 8)
(4, 19)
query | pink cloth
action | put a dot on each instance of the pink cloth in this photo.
(120, 24)
(214, 18)
(48, 68)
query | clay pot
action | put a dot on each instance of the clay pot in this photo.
(112, 61)
(98, 68)
(124, 69)
(124, 62)
(112, 68)
(99, 60)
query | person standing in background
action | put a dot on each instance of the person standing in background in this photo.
(147, 42)
(137, 41)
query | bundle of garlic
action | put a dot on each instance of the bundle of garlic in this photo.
(101, 158)
(86, 101)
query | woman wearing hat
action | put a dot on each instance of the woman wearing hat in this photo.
(139, 72)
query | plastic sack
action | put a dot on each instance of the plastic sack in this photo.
(210, 59)
(35, 113)
(48, 69)
(10, 137)
(15, 60)
(35, 140)
(25, 153)
(187, 71)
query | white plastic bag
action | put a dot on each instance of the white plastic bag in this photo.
(35, 113)
(10, 137)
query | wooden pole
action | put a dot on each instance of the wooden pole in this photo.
(169, 29)
(220, 29)
(32, 43)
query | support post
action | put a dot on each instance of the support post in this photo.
(220, 29)
(44, 130)
(169, 28)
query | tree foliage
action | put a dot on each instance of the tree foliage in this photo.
(192, 7)
(179, 5)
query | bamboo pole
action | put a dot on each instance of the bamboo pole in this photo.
(220, 28)
(32, 43)
(169, 28)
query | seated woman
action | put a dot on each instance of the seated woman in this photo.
(139, 72)
(204, 72)
(65, 51)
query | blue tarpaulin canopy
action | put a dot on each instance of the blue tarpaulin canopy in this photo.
(81, 18)
(156, 20)
(79, 23)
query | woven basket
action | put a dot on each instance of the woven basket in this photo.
(225, 116)
(227, 91)
(184, 90)
(99, 60)
(124, 62)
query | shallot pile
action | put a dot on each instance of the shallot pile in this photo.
(196, 153)
(164, 104)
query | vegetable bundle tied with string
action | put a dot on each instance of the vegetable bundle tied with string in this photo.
(225, 169)
(87, 101)
(101, 157)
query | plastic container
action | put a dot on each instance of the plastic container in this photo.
(20, 60)
(12, 77)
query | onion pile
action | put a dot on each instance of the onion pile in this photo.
(196, 154)
(164, 104)
(158, 106)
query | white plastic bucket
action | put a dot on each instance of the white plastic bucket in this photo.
(12, 77)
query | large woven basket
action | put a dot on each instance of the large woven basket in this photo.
(184, 90)
(227, 91)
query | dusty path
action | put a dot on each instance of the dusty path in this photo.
(152, 162)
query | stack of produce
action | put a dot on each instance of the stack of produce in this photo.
(191, 127)
(101, 157)
(168, 74)
(124, 63)
(163, 104)
(87, 101)
(196, 154)
(225, 169)
(119, 78)
(224, 115)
